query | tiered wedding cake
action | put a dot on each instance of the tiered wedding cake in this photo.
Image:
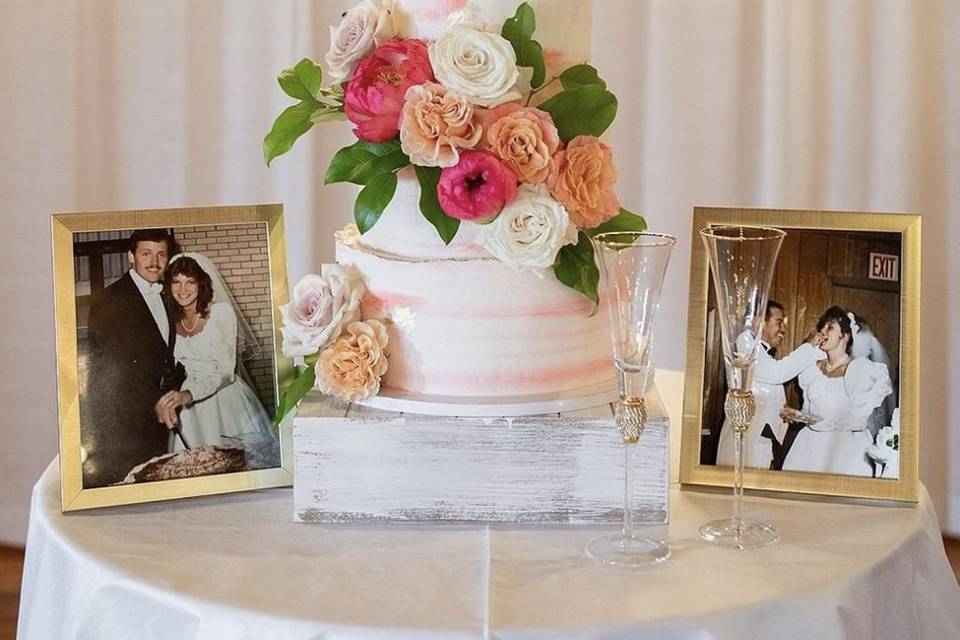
(469, 272)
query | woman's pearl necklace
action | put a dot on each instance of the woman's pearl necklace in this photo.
(830, 368)
(196, 321)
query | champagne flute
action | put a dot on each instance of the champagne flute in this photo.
(742, 260)
(632, 267)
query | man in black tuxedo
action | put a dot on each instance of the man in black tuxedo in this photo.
(132, 335)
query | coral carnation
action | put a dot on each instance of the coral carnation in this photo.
(374, 96)
(477, 187)
(582, 180)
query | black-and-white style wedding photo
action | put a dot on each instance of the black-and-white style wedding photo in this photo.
(826, 381)
(175, 352)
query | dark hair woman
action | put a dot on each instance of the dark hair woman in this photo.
(839, 394)
(191, 291)
(214, 406)
(841, 336)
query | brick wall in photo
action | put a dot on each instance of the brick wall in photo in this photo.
(239, 252)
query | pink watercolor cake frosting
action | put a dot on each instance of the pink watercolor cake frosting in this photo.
(474, 327)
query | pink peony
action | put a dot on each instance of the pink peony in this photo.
(477, 187)
(374, 95)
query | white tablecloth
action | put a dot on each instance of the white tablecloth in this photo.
(237, 566)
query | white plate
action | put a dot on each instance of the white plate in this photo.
(479, 406)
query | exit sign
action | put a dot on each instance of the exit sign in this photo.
(884, 266)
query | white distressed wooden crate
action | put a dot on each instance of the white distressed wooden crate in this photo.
(356, 464)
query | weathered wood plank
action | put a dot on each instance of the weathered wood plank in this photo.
(538, 469)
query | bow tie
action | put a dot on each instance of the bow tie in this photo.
(154, 288)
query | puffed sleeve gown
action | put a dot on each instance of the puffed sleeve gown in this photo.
(225, 410)
(838, 442)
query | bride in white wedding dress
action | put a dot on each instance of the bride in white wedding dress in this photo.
(840, 393)
(219, 407)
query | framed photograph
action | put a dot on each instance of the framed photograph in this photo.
(837, 379)
(169, 368)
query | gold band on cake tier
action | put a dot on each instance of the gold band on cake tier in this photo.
(631, 419)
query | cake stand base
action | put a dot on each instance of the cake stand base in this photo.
(499, 406)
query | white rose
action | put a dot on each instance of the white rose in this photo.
(321, 307)
(361, 30)
(529, 231)
(477, 64)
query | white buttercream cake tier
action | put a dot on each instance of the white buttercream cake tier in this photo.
(474, 327)
(403, 231)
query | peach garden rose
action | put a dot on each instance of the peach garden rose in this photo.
(352, 367)
(436, 124)
(525, 138)
(582, 179)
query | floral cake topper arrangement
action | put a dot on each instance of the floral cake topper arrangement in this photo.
(465, 110)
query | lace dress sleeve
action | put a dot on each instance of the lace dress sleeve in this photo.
(219, 370)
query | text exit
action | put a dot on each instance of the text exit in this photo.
(884, 266)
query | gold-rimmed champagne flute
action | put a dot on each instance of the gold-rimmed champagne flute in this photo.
(742, 261)
(632, 267)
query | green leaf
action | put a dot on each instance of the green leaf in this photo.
(300, 386)
(576, 268)
(326, 114)
(446, 227)
(581, 75)
(362, 161)
(302, 81)
(518, 30)
(289, 125)
(521, 26)
(623, 221)
(587, 110)
(530, 54)
(373, 199)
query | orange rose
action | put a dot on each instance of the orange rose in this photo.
(436, 124)
(582, 179)
(352, 367)
(524, 138)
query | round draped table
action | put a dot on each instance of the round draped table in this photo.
(238, 567)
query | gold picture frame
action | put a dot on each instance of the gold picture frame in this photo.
(266, 223)
(800, 282)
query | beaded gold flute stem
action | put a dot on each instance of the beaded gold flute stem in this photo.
(742, 260)
(739, 407)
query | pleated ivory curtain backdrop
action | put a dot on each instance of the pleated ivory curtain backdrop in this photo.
(161, 103)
